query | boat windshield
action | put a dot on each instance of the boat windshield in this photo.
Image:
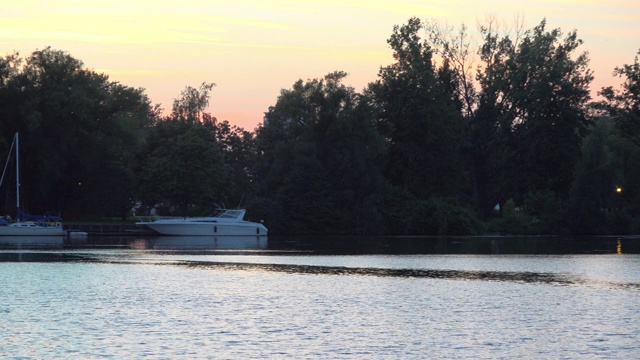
(229, 214)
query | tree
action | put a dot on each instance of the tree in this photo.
(319, 157)
(532, 111)
(9, 94)
(457, 56)
(624, 105)
(79, 133)
(192, 102)
(419, 115)
(238, 148)
(603, 183)
(183, 168)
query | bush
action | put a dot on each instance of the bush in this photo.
(435, 216)
(617, 222)
(547, 209)
(541, 214)
(514, 221)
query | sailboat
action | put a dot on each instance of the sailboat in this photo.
(25, 224)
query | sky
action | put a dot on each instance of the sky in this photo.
(252, 50)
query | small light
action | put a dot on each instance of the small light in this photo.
(618, 189)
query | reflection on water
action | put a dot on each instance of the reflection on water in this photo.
(299, 255)
(345, 245)
(176, 243)
(619, 247)
(202, 242)
(33, 256)
(235, 255)
(391, 298)
(31, 242)
(489, 245)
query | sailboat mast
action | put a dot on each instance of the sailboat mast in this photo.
(17, 176)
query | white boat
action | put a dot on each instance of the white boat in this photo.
(224, 222)
(25, 224)
(31, 228)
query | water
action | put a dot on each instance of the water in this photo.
(295, 298)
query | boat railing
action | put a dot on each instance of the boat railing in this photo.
(152, 218)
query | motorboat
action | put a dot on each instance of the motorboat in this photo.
(223, 222)
(25, 224)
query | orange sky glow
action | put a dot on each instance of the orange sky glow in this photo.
(253, 49)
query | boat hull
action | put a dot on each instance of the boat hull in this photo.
(30, 230)
(206, 229)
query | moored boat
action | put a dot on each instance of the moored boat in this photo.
(224, 222)
(25, 224)
(30, 228)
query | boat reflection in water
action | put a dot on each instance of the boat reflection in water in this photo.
(207, 242)
(31, 242)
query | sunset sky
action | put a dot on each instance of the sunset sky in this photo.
(253, 49)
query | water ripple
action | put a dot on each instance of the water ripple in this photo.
(555, 279)
(469, 275)
(139, 304)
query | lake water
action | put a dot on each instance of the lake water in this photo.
(346, 298)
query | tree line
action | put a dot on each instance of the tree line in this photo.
(449, 139)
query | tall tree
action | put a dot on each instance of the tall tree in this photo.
(183, 169)
(75, 124)
(10, 94)
(192, 102)
(182, 166)
(419, 117)
(319, 160)
(238, 148)
(532, 101)
(623, 105)
(595, 181)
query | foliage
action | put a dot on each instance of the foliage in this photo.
(596, 176)
(514, 221)
(192, 102)
(319, 160)
(238, 148)
(419, 117)
(79, 132)
(548, 209)
(407, 215)
(624, 105)
(606, 181)
(534, 91)
(426, 149)
(616, 221)
(183, 167)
